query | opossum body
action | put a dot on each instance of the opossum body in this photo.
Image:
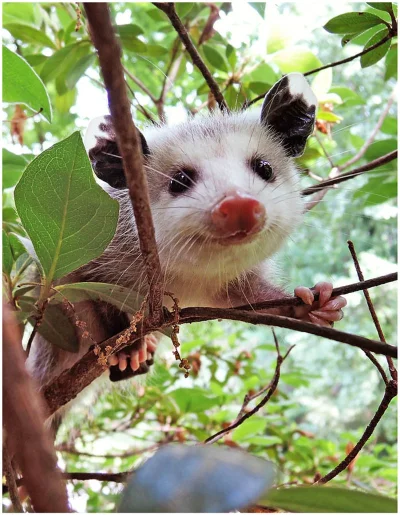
(224, 195)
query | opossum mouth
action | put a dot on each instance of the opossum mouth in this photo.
(238, 238)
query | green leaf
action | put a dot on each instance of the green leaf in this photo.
(382, 6)
(259, 87)
(380, 148)
(156, 51)
(29, 34)
(231, 56)
(78, 69)
(63, 103)
(35, 59)
(378, 53)
(296, 60)
(322, 82)
(7, 254)
(19, 12)
(259, 7)
(55, 327)
(197, 479)
(328, 116)
(349, 97)
(352, 23)
(215, 58)
(250, 427)
(69, 218)
(389, 126)
(322, 499)
(123, 298)
(194, 400)
(13, 166)
(263, 73)
(62, 60)
(391, 63)
(128, 30)
(17, 249)
(22, 85)
(183, 8)
(133, 44)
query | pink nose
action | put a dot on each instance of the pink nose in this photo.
(238, 213)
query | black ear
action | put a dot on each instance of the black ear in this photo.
(105, 155)
(289, 109)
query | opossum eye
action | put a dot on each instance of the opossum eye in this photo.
(262, 168)
(181, 181)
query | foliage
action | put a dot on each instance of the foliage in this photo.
(327, 392)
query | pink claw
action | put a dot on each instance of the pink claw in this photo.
(135, 361)
(318, 321)
(113, 360)
(325, 291)
(305, 294)
(335, 304)
(122, 362)
(331, 316)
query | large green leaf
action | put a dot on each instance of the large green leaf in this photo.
(29, 34)
(378, 53)
(69, 218)
(322, 499)
(22, 85)
(194, 400)
(352, 23)
(197, 479)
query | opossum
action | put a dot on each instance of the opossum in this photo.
(224, 196)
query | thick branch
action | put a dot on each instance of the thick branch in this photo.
(390, 393)
(349, 175)
(169, 10)
(128, 139)
(23, 418)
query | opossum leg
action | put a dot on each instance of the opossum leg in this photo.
(134, 359)
(324, 311)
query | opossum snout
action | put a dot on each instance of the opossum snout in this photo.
(238, 213)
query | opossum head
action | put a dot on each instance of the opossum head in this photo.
(224, 191)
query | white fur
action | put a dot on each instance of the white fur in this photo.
(298, 85)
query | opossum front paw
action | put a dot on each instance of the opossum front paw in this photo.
(133, 360)
(325, 311)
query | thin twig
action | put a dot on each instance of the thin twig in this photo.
(271, 390)
(390, 393)
(128, 140)
(246, 105)
(169, 9)
(372, 136)
(11, 481)
(139, 83)
(392, 368)
(387, 158)
(134, 452)
(328, 157)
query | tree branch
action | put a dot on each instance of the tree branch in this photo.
(128, 139)
(390, 393)
(11, 481)
(372, 136)
(169, 9)
(392, 369)
(349, 175)
(23, 418)
(270, 389)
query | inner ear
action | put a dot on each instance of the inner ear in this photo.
(289, 109)
(105, 155)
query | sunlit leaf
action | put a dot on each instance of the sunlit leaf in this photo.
(296, 60)
(352, 23)
(29, 34)
(215, 58)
